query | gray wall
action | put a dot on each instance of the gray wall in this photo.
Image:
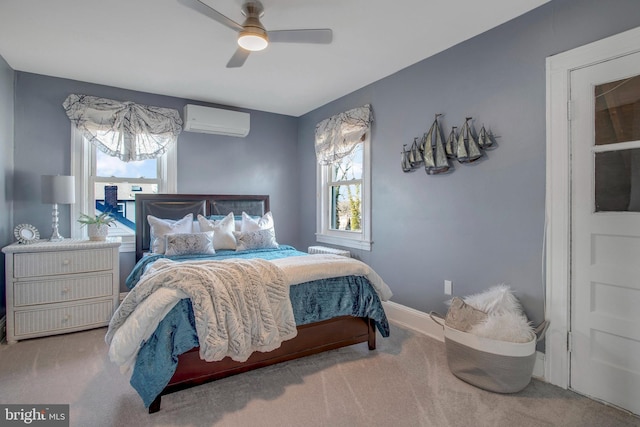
(483, 224)
(6, 165)
(261, 163)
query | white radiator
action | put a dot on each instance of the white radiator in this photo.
(326, 250)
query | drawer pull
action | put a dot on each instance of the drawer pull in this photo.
(66, 262)
(65, 290)
(66, 318)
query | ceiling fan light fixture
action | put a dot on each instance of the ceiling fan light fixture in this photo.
(252, 41)
(253, 36)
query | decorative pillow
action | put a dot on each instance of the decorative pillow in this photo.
(496, 299)
(222, 231)
(505, 319)
(254, 224)
(159, 228)
(259, 239)
(237, 218)
(190, 244)
(505, 326)
(462, 316)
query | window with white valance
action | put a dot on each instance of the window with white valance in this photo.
(125, 130)
(118, 150)
(342, 144)
(337, 136)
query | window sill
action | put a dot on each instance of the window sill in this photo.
(341, 241)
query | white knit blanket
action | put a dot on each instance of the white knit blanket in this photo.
(240, 306)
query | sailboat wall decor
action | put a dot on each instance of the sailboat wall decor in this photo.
(433, 151)
(450, 145)
(467, 149)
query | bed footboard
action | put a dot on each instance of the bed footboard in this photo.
(311, 339)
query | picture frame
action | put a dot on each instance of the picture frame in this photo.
(26, 234)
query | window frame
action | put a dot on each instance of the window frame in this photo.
(83, 166)
(347, 238)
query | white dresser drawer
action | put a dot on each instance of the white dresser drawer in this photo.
(61, 262)
(62, 289)
(56, 319)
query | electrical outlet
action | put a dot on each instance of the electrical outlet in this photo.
(448, 287)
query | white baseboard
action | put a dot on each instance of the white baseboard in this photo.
(413, 319)
(423, 323)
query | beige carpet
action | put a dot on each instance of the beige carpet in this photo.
(405, 382)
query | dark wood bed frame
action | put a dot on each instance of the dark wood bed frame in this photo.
(312, 338)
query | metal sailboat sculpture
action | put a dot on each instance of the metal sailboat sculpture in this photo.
(467, 149)
(450, 145)
(415, 155)
(433, 150)
(405, 162)
(411, 158)
(484, 139)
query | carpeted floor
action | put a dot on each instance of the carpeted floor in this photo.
(405, 382)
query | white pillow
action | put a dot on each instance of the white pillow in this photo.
(251, 224)
(190, 244)
(258, 239)
(505, 319)
(159, 228)
(222, 231)
(506, 326)
(497, 299)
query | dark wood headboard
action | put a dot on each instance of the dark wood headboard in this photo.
(176, 206)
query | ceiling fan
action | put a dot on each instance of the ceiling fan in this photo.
(252, 36)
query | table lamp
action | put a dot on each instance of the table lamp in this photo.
(57, 189)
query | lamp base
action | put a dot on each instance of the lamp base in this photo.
(55, 236)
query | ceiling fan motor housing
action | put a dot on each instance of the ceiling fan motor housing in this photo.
(252, 27)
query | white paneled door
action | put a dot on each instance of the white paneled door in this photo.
(605, 263)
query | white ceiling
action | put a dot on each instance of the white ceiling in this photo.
(163, 47)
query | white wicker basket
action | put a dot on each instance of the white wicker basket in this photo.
(493, 365)
(498, 366)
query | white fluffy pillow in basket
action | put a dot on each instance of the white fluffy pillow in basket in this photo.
(505, 320)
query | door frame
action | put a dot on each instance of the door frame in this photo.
(558, 192)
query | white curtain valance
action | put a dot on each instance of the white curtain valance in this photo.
(125, 130)
(337, 136)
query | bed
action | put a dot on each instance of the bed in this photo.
(355, 312)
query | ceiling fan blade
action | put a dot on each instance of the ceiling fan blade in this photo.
(207, 10)
(320, 36)
(238, 58)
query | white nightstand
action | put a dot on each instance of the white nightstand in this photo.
(59, 287)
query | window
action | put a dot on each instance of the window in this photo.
(344, 207)
(106, 183)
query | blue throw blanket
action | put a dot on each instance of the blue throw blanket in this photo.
(312, 302)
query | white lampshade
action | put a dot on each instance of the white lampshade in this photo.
(58, 189)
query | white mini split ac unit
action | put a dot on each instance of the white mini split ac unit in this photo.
(216, 121)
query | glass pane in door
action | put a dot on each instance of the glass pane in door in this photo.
(617, 111)
(617, 170)
(617, 181)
